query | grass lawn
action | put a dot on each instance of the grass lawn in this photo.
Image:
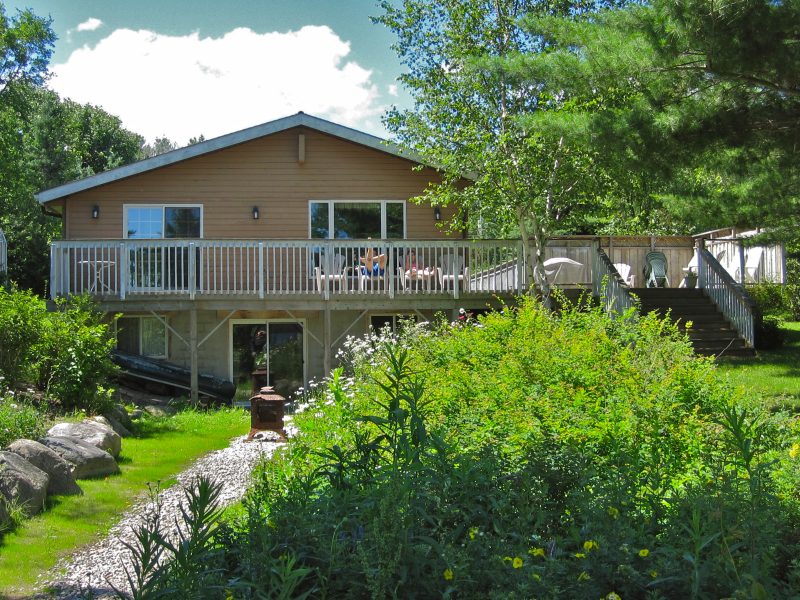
(71, 521)
(775, 374)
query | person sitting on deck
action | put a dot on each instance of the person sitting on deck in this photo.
(373, 263)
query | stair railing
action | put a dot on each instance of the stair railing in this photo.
(608, 285)
(730, 297)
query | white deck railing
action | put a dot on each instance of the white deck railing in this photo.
(748, 264)
(118, 269)
(729, 296)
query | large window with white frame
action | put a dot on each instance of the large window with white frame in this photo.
(357, 219)
(156, 267)
(144, 335)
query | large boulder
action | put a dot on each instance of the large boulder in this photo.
(120, 414)
(87, 460)
(62, 480)
(22, 483)
(98, 435)
(112, 423)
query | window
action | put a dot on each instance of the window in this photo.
(163, 221)
(357, 220)
(146, 336)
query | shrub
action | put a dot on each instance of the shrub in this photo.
(21, 317)
(532, 455)
(19, 419)
(74, 357)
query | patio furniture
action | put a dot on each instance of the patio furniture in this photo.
(752, 264)
(655, 270)
(558, 263)
(334, 278)
(624, 271)
(453, 272)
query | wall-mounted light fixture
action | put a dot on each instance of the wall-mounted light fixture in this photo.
(95, 211)
(255, 212)
(437, 213)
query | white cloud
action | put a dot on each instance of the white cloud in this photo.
(91, 24)
(393, 89)
(185, 86)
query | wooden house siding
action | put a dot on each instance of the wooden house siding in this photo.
(266, 173)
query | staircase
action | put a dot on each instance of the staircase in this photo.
(711, 334)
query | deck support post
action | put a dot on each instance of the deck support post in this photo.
(326, 340)
(195, 388)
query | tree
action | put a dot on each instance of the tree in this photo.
(701, 97)
(468, 119)
(26, 44)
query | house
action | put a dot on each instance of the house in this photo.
(255, 254)
(268, 245)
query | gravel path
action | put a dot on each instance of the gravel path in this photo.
(90, 571)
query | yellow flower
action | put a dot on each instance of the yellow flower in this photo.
(536, 552)
(580, 555)
(794, 451)
(590, 545)
(473, 531)
(644, 552)
(517, 563)
(448, 574)
(613, 596)
(653, 573)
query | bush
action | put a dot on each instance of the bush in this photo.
(529, 456)
(19, 419)
(66, 353)
(74, 357)
(21, 319)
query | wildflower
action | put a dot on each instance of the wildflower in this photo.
(794, 451)
(613, 596)
(644, 553)
(473, 531)
(653, 573)
(517, 563)
(448, 574)
(536, 552)
(590, 545)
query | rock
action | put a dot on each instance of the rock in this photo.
(137, 414)
(62, 481)
(98, 435)
(22, 483)
(159, 411)
(4, 518)
(119, 414)
(112, 423)
(87, 460)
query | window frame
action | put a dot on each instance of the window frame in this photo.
(163, 207)
(331, 218)
(161, 321)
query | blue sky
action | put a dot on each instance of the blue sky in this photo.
(181, 68)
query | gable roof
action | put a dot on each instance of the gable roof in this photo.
(245, 135)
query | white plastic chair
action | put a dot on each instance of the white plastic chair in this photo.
(624, 271)
(336, 279)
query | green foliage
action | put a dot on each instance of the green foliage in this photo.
(531, 455)
(689, 100)
(21, 320)
(19, 418)
(74, 356)
(65, 352)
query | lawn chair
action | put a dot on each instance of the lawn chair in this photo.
(752, 264)
(334, 277)
(624, 271)
(655, 270)
(453, 273)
